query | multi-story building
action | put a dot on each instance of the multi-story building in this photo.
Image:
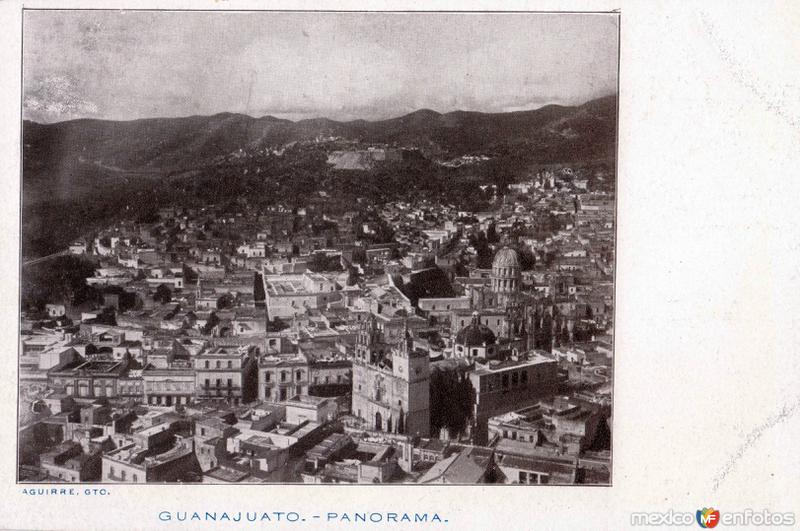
(505, 385)
(391, 384)
(89, 379)
(283, 376)
(172, 386)
(291, 295)
(226, 373)
(134, 463)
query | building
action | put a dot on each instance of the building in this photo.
(89, 379)
(505, 385)
(475, 340)
(391, 384)
(281, 377)
(133, 463)
(171, 386)
(68, 462)
(226, 373)
(291, 295)
(300, 409)
(506, 275)
(469, 466)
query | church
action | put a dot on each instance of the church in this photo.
(391, 383)
(501, 322)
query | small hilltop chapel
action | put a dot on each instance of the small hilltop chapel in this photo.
(391, 383)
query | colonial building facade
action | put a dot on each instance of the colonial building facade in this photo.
(391, 383)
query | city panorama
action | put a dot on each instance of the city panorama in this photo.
(348, 248)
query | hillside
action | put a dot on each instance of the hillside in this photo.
(169, 144)
(79, 175)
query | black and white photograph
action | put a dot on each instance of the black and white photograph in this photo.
(378, 265)
(317, 247)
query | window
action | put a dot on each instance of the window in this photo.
(123, 473)
(523, 477)
(207, 364)
(208, 383)
(338, 378)
(267, 376)
(217, 364)
(283, 376)
(524, 377)
(505, 380)
(202, 431)
(514, 378)
(230, 364)
(135, 478)
(230, 382)
(298, 375)
(110, 471)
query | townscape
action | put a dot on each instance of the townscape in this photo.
(401, 342)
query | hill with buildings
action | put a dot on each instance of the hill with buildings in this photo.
(80, 174)
(173, 144)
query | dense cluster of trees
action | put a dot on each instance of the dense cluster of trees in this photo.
(321, 262)
(451, 399)
(60, 280)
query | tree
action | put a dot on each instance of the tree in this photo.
(359, 255)
(211, 322)
(564, 334)
(491, 234)
(189, 275)
(527, 260)
(225, 301)
(452, 398)
(163, 294)
(352, 276)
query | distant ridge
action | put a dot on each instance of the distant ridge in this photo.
(163, 144)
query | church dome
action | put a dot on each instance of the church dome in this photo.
(475, 334)
(506, 257)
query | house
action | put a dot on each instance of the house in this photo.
(468, 466)
(226, 373)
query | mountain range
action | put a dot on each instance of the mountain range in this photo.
(560, 133)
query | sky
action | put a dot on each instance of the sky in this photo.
(124, 65)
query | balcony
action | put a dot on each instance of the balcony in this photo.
(218, 391)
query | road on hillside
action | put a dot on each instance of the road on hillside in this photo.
(45, 258)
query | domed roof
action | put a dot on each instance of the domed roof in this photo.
(506, 257)
(475, 334)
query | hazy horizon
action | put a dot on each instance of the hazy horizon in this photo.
(130, 65)
(178, 117)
